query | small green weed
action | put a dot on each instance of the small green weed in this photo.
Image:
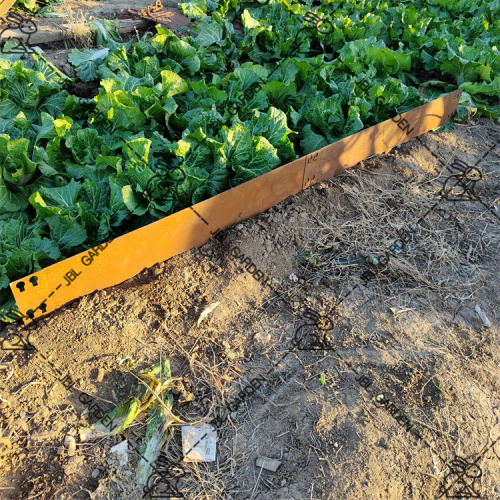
(307, 260)
(437, 390)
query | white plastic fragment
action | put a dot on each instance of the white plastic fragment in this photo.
(399, 310)
(484, 319)
(121, 452)
(207, 311)
(125, 359)
(199, 443)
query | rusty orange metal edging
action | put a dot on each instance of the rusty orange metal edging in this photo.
(5, 5)
(116, 261)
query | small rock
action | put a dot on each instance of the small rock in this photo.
(70, 443)
(100, 375)
(95, 473)
(484, 319)
(268, 463)
(239, 227)
(293, 278)
(283, 482)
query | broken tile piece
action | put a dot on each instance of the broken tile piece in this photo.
(270, 464)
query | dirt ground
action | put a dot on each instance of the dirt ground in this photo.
(408, 330)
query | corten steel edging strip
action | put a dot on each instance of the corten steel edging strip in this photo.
(127, 255)
(380, 138)
(5, 5)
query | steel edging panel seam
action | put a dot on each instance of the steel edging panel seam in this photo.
(337, 157)
(127, 255)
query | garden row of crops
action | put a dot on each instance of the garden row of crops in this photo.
(76, 172)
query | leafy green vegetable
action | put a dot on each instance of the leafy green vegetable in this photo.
(161, 418)
(87, 62)
(104, 30)
(156, 381)
(114, 422)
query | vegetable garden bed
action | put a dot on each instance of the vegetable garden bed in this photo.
(144, 149)
(128, 255)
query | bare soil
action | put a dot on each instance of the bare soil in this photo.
(412, 330)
